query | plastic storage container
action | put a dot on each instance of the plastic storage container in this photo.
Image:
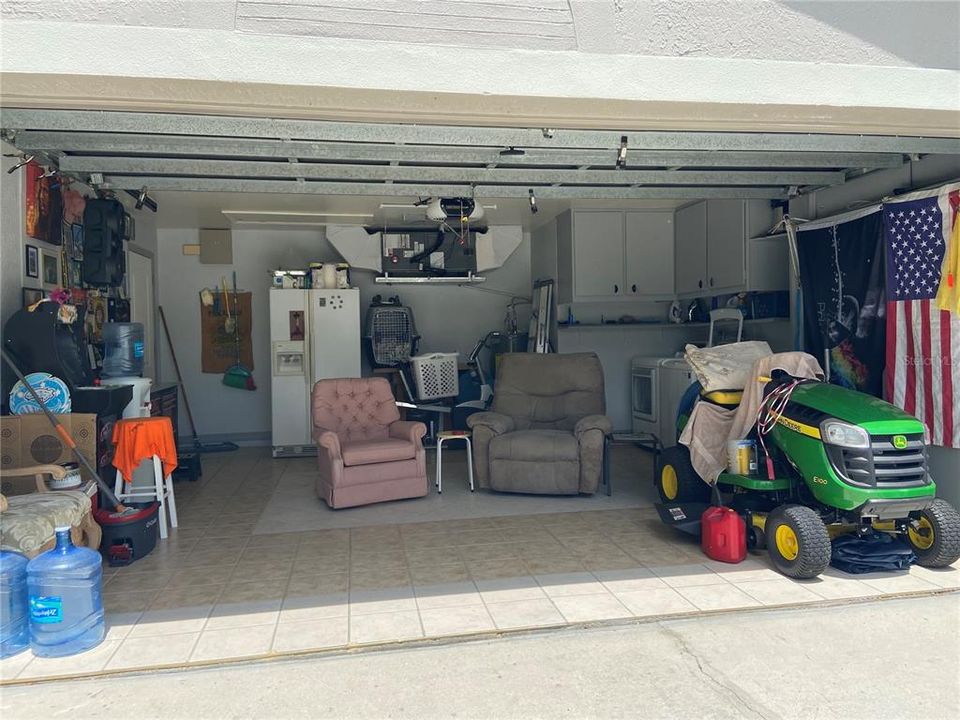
(127, 537)
(436, 375)
(742, 457)
(66, 608)
(14, 616)
(123, 349)
(723, 535)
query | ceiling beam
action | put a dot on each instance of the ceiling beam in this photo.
(492, 192)
(370, 173)
(166, 145)
(226, 126)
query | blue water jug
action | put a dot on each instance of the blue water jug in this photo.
(14, 618)
(66, 607)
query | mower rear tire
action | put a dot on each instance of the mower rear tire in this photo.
(798, 541)
(677, 481)
(936, 542)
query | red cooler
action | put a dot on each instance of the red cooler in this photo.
(723, 535)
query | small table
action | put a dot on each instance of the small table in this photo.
(453, 435)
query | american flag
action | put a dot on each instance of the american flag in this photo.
(922, 373)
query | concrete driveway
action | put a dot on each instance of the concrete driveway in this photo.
(883, 658)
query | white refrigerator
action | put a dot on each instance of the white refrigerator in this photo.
(314, 334)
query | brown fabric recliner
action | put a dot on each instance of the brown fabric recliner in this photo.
(546, 431)
(366, 453)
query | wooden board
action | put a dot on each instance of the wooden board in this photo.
(218, 350)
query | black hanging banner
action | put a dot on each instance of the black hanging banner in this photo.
(844, 305)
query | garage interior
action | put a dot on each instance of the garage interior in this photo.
(629, 226)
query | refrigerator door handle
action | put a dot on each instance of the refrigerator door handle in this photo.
(308, 361)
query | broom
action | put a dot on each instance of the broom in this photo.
(237, 376)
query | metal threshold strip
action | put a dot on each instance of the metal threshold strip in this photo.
(483, 635)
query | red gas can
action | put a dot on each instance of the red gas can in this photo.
(723, 534)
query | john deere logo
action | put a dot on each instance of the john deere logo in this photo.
(899, 442)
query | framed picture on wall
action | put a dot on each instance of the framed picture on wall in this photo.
(51, 268)
(31, 296)
(76, 241)
(33, 261)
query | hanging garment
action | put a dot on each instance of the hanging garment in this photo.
(948, 295)
(138, 439)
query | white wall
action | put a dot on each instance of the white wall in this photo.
(448, 318)
(11, 238)
(680, 65)
(929, 171)
(841, 32)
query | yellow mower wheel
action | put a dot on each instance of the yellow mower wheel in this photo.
(797, 541)
(935, 537)
(787, 544)
(668, 482)
(921, 537)
(676, 480)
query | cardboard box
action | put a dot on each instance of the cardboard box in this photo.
(30, 440)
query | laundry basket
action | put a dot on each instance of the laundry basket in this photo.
(436, 375)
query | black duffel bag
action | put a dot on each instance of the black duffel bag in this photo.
(871, 553)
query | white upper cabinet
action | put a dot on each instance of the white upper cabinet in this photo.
(649, 254)
(614, 255)
(710, 247)
(597, 254)
(726, 234)
(691, 249)
(714, 252)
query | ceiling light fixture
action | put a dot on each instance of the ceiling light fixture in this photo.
(622, 153)
(533, 203)
(293, 213)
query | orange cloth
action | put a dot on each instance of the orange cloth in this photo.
(137, 439)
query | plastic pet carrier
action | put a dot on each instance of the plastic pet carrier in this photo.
(391, 333)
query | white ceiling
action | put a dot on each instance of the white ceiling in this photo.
(204, 209)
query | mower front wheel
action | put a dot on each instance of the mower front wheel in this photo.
(677, 481)
(935, 536)
(798, 541)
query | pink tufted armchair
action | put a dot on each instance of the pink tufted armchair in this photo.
(367, 453)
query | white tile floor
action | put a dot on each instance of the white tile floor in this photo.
(217, 591)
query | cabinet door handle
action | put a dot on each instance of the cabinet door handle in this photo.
(711, 282)
(616, 289)
(633, 288)
(700, 284)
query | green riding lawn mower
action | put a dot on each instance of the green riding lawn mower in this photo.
(836, 461)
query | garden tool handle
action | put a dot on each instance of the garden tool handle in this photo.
(226, 298)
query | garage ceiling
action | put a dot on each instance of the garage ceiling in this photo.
(168, 152)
